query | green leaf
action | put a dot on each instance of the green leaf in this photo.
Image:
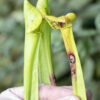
(97, 22)
(73, 4)
(91, 11)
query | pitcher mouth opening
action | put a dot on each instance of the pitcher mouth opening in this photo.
(67, 25)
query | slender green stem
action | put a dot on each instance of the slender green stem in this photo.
(76, 70)
(33, 20)
(31, 65)
(63, 24)
(45, 67)
(37, 53)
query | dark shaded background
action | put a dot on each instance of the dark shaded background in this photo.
(87, 35)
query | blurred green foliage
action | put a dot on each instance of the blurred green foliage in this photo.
(87, 35)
